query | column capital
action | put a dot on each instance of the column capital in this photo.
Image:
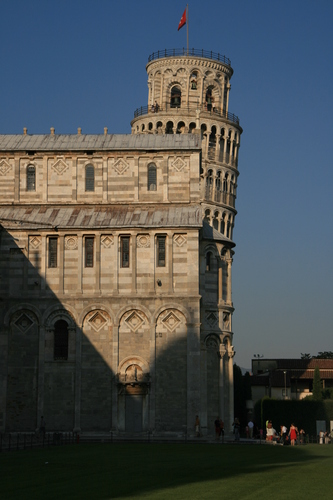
(231, 352)
(222, 350)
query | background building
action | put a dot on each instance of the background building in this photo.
(116, 256)
(288, 378)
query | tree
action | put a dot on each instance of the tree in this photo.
(324, 355)
(316, 390)
(306, 355)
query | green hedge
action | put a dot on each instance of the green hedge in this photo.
(302, 413)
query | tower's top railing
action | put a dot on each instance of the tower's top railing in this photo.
(207, 54)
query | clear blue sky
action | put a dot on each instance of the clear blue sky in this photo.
(81, 63)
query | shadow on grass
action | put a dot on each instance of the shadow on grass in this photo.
(126, 470)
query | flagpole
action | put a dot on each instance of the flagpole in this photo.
(187, 26)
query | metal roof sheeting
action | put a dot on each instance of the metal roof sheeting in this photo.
(110, 216)
(88, 142)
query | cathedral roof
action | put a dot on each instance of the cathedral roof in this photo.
(46, 217)
(102, 142)
(210, 233)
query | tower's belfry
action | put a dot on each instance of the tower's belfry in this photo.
(188, 93)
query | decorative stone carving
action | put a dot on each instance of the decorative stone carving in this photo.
(24, 322)
(120, 166)
(143, 241)
(107, 240)
(134, 321)
(179, 164)
(5, 167)
(231, 351)
(180, 239)
(71, 242)
(226, 320)
(171, 321)
(97, 321)
(211, 318)
(34, 242)
(60, 166)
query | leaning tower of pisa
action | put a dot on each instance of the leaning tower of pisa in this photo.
(188, 93)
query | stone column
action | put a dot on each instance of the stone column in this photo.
(222, 351)
(105, 178)
(78, 370)
(115, 363)
(45, 179)
(220, 281)
(229, 295)
(152, 388)
(217, 148)
(228, 90)
(193, 375)
(203, 389)
(98, 263)
(222, 103)
(41, 368)
(231, 354)
(61, 263)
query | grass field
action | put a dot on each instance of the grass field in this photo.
(163, 471)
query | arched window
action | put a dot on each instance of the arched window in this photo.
(222, 224)
(218, 181)
(209, 99)
(60, 340)
(176, 97)
(194, 80)
(169, 128)
(31, 178)
(207, 216)
(152, 181)
(209, 178)
(209, 261)
(216, 221)
(90, 178)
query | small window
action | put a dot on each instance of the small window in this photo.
(124, 250)
(176, 96)
(152, 177)
(89, 252)
(90, 178)
(60, 340)
(53, 252)
(161, 251)
(208, 261)
(31, 178)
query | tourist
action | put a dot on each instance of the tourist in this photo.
(250, 426)
(302, 436)
(222, 429)
(236, 426)
(293, 434)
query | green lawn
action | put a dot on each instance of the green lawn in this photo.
(199, 471)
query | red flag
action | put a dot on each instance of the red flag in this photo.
(182, 21)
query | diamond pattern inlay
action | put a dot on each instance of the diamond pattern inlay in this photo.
(97, 321)
(4, 167)
(107, 241)
(171, 321)
(34, 241)
(134, 321)
(211, 319)
(120, 166)
(60, 166)
(23, 322)
(179, 164)
(179, 239)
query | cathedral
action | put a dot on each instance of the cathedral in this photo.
(116, 259)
